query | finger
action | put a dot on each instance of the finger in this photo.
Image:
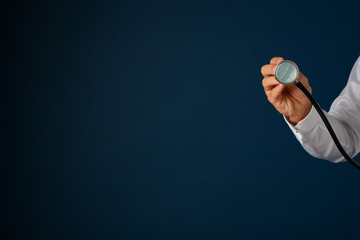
(276, 93)
(276, 60)
(268, 70)
(303, 79)
(269, 83)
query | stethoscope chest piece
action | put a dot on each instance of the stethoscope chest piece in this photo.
(286, 72)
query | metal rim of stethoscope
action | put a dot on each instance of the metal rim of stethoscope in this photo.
(277, 68)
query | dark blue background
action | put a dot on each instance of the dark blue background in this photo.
(147, 120)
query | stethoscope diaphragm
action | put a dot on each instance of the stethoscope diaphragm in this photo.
(286, 72)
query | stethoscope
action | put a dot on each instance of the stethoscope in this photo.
(287, 72)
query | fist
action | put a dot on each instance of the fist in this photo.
(288, 100)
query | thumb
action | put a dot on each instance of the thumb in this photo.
(276, 92)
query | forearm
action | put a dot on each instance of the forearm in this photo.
(316, 140)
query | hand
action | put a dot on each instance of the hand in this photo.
(288, 100)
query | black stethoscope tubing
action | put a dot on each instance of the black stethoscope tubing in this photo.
(327, 124)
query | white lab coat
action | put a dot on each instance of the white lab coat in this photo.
(344, 117)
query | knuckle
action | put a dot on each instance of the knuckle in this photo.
(264, 82)
(263, 70)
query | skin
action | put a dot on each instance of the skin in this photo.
(288, 100)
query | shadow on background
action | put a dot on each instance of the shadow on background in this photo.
(147, 120)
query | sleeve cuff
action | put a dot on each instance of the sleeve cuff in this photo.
(308, 123)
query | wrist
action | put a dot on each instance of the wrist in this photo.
(295, 119)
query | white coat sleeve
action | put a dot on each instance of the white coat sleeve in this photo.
(344, 117)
